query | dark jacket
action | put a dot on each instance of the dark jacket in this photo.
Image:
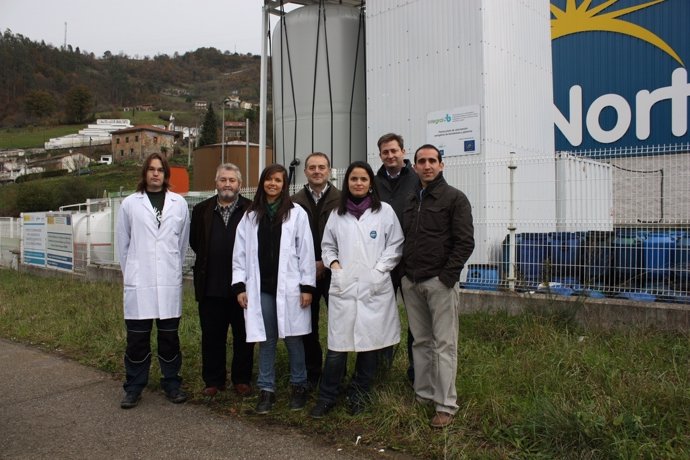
(439, 235)
(318, 213)
(395, 192)
(200, 239)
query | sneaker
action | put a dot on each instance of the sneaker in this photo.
(441, 419)
(266, 401)
(176, 396)
(130, 400)
(321, 409)
(298, 399)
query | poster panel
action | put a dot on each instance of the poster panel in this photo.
(455, 131)
(59, 242)
(34, 238)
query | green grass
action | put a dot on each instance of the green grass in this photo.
(33, 137)
(529, 386)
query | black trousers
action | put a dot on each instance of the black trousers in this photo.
(313, 353)
(138, 353)
(216, 314)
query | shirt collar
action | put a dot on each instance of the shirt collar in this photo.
(318, 195)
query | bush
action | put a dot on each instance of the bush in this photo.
(41, 175)
(45, 196)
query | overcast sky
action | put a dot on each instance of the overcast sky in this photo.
(138, 27)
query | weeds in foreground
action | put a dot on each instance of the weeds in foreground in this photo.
(529, 386)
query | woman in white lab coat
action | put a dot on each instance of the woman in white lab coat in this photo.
(151, 234)
(274, 275)
(362, 243)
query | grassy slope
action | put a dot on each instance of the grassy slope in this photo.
(529, 386)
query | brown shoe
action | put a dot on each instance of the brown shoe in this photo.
(243, 389)
(210, 392)
(441, 420)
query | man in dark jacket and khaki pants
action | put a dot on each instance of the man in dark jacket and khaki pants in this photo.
(439, 239)
(212, 237)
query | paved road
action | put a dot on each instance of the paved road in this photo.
(55, 408)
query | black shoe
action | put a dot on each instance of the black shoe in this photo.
(130, 400)
(355, 405)
(299, 398)
(266, 401)
(321, 409)
(176, 396)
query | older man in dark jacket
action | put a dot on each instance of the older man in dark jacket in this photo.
(212, 237)
(439, 239)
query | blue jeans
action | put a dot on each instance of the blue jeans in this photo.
(267, 350)
(334, 370)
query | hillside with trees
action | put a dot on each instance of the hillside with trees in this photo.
(41, 85)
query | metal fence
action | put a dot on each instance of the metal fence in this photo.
(614, 223)
(596, 223)
(10, 238)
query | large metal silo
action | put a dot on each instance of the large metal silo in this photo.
(319, 99)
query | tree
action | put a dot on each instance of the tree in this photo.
(78, 103)
(209, 128)
(39, 104)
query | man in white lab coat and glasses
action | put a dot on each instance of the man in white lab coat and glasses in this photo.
(151, 234)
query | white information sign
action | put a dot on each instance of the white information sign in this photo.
(34, 238)
(456, 131)
(59, 242)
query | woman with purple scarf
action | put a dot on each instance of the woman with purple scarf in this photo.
(362, 243)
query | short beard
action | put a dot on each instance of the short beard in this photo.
(227, 195)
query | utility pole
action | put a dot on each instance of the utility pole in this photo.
(222, 130)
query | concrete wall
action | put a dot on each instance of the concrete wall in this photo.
(593, 314)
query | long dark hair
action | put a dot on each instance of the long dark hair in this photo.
(141, 186)
(260, 202)
(346, 195)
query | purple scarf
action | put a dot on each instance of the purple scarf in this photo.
(357, 209)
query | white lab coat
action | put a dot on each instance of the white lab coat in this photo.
(151, 258)
(295, 266)
(362, 310)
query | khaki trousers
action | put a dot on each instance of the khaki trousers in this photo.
(432, 311)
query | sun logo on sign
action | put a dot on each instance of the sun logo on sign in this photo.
(582, 18)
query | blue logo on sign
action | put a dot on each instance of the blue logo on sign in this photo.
(608, 108)
(469, 146)
(373, 234)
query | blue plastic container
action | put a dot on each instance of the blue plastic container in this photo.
(659, 251)
(591, 293)
(566, 253)
(557, 290)
(638, 296)
(597, 255)
(484, 277)
(681, 264)
(532, 251)
(628, 254)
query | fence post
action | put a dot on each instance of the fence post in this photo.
(88, 232)
(511, 225)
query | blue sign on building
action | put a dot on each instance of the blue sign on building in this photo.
(620, 75)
